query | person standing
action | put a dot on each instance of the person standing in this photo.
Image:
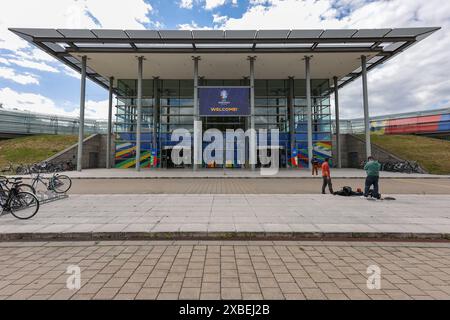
(315, 166)
(326, 176)
(372, 168)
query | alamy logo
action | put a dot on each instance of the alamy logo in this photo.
(73, 282)
(374, 280)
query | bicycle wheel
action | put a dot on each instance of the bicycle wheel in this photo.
(24, 205)
(26, 188)
(61, 184)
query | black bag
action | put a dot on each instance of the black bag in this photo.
(347, 191)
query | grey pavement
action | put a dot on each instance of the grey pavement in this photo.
(231, 173)
(213, 270)
(208, 214)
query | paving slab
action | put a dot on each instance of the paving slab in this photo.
(238, 216)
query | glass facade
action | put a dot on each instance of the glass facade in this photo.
(169, 104)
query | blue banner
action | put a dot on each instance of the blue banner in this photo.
(224, 101)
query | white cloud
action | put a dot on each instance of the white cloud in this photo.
(40, 104)
(12, 75)
(192, 26)
(4, 61)
(34, 65)
(91, 14)
(211, 4)
(186, 4)
(28, 101)
(416, 80)
(218, 19)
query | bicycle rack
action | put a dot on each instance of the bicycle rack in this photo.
(49, 196)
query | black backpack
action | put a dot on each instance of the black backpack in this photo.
(347, 191)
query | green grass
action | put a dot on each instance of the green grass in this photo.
(29, 150)
(432, 154)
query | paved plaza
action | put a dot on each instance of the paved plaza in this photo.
(224, 270)
(233, 173)
(212, 216)
(251, 186)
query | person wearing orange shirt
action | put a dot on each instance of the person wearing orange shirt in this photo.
(326, 176)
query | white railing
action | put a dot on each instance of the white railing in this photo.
(22, 122)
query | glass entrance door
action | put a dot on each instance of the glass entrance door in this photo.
(222, 124)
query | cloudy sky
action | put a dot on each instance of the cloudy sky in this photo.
(418, 79)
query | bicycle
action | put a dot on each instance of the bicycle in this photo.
(57, 183)
(8, 169)
(22, 205)
(4, 181)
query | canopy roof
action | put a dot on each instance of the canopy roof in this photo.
(168, 53)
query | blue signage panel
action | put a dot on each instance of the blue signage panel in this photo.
(224, 101)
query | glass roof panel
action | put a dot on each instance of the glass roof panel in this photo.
(224, 45)
(305, 34)
(102, 45)
(346, 45)
(163, 45)
(208, 34)
(143, 34)
(54, 47)
(240, 34)
(371, 33)
(343, 33)
(272, 34)
(111, 34)
(284, 45)
(394, 46)
(77, 33)
(407, 32)
(40, 33)
(175, 34)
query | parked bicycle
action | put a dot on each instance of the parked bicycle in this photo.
(4, 181)
(56, 183)
(399, 166)
(22, 205)
(45, 167)
(8, 169)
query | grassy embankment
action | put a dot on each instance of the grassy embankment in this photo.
(32, 149)
(432, 154)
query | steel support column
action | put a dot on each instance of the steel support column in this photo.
(338, 126)
(139, 113)
(253, 143)
(82, 107)
(366, 106)
(197, 140)
(291, 118)
(109, 133)
(309, 109)
(155, 114)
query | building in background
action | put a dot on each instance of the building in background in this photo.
(158, 76)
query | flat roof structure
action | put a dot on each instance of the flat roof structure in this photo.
(335, 53)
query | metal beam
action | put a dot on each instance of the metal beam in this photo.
(218, 50)
(366, 106)
(139, 113)
(338, 126)
(82, 106)
(109, 133)
(309, 109)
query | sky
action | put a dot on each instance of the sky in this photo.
(418, 79)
